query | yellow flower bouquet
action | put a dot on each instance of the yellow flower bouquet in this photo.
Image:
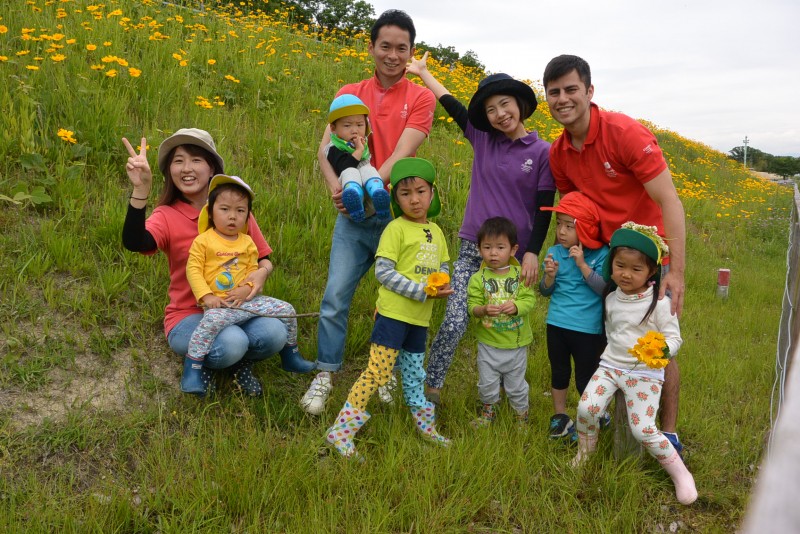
(435, 282)
(652, 350)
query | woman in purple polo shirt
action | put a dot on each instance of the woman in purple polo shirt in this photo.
(510, 178)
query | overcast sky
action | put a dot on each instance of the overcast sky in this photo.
(711, 70)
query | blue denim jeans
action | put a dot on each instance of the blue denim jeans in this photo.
(352, 254)
(255, 339)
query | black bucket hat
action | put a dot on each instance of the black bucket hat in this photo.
(498, 84)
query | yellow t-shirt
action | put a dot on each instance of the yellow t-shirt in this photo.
(417, 250)
(217, 265)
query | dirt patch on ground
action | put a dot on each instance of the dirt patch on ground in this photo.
(89, 382)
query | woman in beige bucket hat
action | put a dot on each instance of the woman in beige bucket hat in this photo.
(188, 159)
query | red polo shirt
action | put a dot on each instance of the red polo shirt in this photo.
(618, 157)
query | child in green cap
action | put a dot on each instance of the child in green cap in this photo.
(411, 265)
(643, 336)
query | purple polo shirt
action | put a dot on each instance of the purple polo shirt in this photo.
(506, 178)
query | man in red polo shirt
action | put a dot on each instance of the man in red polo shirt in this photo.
(616, 161)
(400, 115)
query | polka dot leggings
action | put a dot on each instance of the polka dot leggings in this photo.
(379, 370)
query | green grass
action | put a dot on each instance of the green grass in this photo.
(94, 433)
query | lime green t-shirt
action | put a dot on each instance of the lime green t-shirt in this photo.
(417, 250)
(488, 287)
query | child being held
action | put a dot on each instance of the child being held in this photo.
(220, 258)
(496, 297)
(643, 336)
(575, 286)
(349, 156)
(412, 251)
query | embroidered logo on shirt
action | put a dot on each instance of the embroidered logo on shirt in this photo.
(527, 166)
(404, 113)
(648, 149)
(610, 172)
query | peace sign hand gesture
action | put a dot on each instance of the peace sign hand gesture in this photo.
(138, 169)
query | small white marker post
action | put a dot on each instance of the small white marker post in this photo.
(723, 281)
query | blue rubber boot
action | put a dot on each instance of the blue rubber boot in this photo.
(293, 362)
(244, 378)
(380, 198)
(192, 378)
(353, 200)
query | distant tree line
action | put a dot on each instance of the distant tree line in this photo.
(785, 166)
(358, 16)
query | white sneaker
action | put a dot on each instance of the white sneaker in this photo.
(386, 392)
(313, 402)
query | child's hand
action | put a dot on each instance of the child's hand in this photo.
(359, 144)
(576, 253)
(418, 65)
(212, 301)
(442, 292)
(492, 310)
(509, 307)
(550, 266)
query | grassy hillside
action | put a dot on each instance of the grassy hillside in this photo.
(94, 433)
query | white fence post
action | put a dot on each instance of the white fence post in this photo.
(774, 507)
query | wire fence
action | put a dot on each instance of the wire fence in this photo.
(774, 507)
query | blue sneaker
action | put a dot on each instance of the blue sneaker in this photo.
(605, 420)
(673, 438)
(561, 426)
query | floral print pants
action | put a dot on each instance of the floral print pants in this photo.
(456, 315)
(642, 395)
(217, 319)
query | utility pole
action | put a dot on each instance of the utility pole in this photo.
(745, 150)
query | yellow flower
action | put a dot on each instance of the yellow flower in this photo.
(212, 61)
(435, 282)
(91, 47)
(3, 28)
(32, 67)
(111, 73)
(58, 57)
(68, 136)
(652, 350)
(134, 73)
